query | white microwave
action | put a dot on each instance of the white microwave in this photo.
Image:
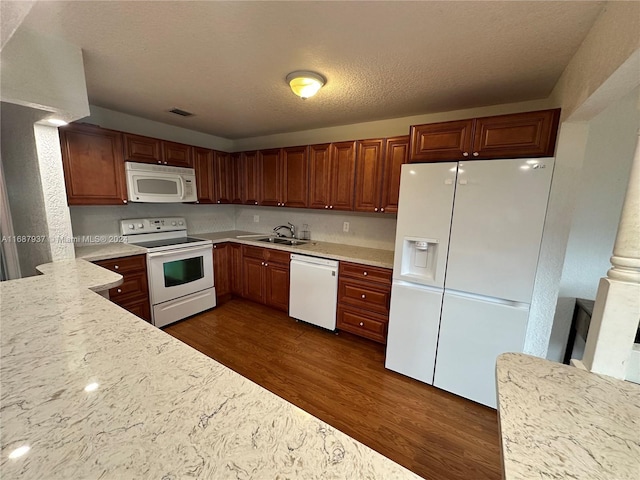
(149, 183)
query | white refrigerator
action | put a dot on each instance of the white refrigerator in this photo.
(466, 253)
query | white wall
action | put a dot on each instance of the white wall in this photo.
(600, 193)
(22, 176)
(45, 73)
(382, 128)
(131, 124)
(103, 220)
(601, 72)
(366, 230)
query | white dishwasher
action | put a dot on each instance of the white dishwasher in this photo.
(313, 294)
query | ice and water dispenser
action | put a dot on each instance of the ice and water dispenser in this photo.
(419, 259)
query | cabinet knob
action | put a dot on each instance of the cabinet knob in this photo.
(266, 264)
(375, 209)
(165, 163)
(330, 206)
(382, 209)
(475, 154)
(363, 296)
(263, 264)
(362, 324)
(218, 201)
(160, 161)
(119, 290)
(215, 246)
(326, 206)
(365, 273)
(465, 154)
(116, 267)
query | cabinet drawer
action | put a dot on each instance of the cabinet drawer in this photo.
(277, 256)
(361, 295)
(140, 308)
(135, 263)
(253, 252)
(365, 272)
(369, 325)
(134, 285)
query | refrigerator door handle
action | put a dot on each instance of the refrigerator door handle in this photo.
(483, 298)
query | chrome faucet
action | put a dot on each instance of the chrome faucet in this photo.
(291, 227)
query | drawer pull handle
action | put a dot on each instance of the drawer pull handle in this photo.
(362, 324)
(364, 296)
(116, 267)
(119, 290)
(365, 274)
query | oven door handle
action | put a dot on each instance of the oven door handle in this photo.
(180, 251)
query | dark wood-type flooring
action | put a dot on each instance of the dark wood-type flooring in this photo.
(341, 379)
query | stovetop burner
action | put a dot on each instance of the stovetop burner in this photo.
(169, 242)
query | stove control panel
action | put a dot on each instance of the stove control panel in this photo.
(136, 226)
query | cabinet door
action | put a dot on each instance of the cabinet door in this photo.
(343, 168)
(253, 279)
(221, 270)
(296, 177)
(396, 154)
(142, 149)
(369, 171)
(235, 266)
(530, 134)
(237, 177)
(319, 176)
(203, 165)
(222, 179)
(270, 163)
(251, 178)
(441, 141)
(93, 165)
(177, 154)
(277, 286)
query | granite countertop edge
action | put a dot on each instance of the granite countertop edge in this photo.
(335, 251)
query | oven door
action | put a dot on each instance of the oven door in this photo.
(176, 273)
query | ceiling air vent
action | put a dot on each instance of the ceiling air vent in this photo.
(182, 113)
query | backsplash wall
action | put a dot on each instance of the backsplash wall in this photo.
(366, 230)
(104, 220)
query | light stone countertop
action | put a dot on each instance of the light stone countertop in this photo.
(557, 421)
(161, 409)
(335, 251)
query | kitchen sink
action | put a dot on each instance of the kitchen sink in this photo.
(291, 242)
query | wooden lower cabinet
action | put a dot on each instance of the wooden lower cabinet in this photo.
(364, 295)
(235, 268)
(222, 271)
(133, 293)
(266, 276)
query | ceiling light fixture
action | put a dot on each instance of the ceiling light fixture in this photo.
(305, 84)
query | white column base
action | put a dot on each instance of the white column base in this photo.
(613, 326)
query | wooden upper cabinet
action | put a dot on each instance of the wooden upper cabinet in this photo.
(529, 134)
(319, 176)
(441, 141)
(251, 178)
(142, 149)
(295, 162)
(237, 177)
(369, 173)
(343, 167)
(177, 154)
(93, 165)
(203, 165)
(396, 154)
(270, 162)
(222, 177)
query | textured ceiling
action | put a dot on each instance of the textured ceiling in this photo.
(227, 61)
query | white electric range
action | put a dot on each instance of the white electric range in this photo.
(179, 268)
